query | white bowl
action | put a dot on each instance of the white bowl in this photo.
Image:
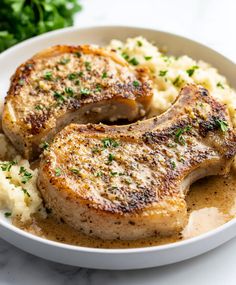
(113, 258)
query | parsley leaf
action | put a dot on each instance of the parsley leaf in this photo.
(223, 125)
(20, 19)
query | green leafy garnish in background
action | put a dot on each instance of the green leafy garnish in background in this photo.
(22, 19)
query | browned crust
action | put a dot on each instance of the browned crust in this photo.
(153, 135)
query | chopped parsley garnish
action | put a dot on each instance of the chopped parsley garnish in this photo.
(99, 174)
(38, 107)
(84, 91)
(74, 170)
(69, 91)
(136, 83)
(58, 96)
(177, 82)
(111, 157)
(148, 57)
(139, 43)
(163, 72)
(80, 74)
(98, 87)
(88, 65)
(219, 84)
(179, 134)
(64, 61)
(77, 82)
(72, 76)
(113, 173)
(44, 145)
(133, 61)
(125, 56)
(104, 75)
(191, 70)
(223, 125)
(7, 214)
(26, 192)
(26, 176)
(6, 166)
(48, 75)
(109, 143)
(78, 54)
(21, 82)
(173, 164)
(57, 171)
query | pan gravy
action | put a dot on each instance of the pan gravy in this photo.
(211, 203)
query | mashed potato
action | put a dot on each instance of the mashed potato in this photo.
(170, 73)
(19, 196)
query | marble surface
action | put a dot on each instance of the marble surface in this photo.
(212, 22)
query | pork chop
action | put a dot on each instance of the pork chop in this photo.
(130, 182)
(65, 84)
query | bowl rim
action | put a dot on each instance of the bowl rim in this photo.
(4, 223)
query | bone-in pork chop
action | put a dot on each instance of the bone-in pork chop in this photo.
(65, 84)
(130, 182)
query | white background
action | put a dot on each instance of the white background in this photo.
(212, 22)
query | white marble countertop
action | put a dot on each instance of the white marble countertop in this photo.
(212, 22)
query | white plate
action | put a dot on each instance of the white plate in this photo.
(113, 258)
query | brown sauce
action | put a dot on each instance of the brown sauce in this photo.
(211, 203)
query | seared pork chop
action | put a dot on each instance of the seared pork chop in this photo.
(65, 84)
(130, 182)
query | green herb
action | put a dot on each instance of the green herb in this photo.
(59, 97)
(77, 82)
(44, 145)
(133, 61)
(104, 75)
(6, 166)
(38, 107)
(191, 70)
(80, 74)
(64, 61)
(98, 87)
(139, 43)
(48, 75)
(26, 176)
(148, 57)
(88, 65)
(107, 142)
(113, 173)
(173, 164)
(21, 82)
(99, 174)
(179, 134)
(75, 171)
(136, 83)
(125, 56)
(223, 125)
(85, 91)
(26, 192)
(128, 181)
(72, 76)
(78, 54)
(163, 72)
(57, 171)
(69, 91)
(219, 84)
(7, 214)
(111, 157)
(21, 19)
(177, 82)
